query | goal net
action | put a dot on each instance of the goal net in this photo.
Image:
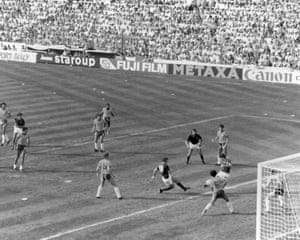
(278, 199)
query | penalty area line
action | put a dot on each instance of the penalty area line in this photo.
(137, 213)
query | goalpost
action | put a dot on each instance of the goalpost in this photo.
(278, 199)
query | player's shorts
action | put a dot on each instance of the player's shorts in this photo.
(220, 195)
(221, 145)
(194, 146)
(17, 130)
(20, 148)
(167, 181)
(106, 176)
(99, 133)
(109, 178)
(279, 192)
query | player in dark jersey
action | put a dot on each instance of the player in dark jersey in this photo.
(194, 142)
(166, 176)
(18, 127)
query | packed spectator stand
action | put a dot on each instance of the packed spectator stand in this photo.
(259, 32)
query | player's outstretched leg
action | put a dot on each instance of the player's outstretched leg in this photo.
(17, 158)
(230, 206)
(201, 156)
(182, 186)
(189, 154)
(207, 207)
(23, 160)
(161, 190)
(179, 184)
(101, 140)
(118, 193)
(96, 139)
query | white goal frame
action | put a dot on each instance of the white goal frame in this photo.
(259, 207)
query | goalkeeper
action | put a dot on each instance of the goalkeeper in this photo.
(275, 183)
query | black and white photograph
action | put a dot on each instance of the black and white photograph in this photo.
(150, 119)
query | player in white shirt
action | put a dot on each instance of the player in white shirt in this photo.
(99, 132)
(104, 173)
(223, 141)
(274, 185)
(107, 114)
(18, 128)
(22, 141)
(216, 184)
(225, 168)
(4, 115)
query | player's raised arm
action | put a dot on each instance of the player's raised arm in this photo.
(98, 167)
(154, 172)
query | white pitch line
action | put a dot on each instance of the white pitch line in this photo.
(270, 118)
(137, 213)
(131, 134)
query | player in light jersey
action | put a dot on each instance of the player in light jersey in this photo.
(274, 185)
(216, 185)
(223, 140)
(166, 176)
(99, 132)
(194, 142)
(107, 114)
(18, 127)
(4, 115)
(225, 168)
(104, 173)
(22, 141)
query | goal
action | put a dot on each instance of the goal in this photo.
(278, 199)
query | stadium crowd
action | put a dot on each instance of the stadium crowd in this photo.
(260, 32)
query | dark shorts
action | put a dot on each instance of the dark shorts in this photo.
(279, 191)
(106, 176)
(99, 133)
(220, 195)
(21, 148)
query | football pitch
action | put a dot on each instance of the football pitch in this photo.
(54, 198)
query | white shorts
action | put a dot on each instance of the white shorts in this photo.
(17, 130)
(167, 181)
(194, 146)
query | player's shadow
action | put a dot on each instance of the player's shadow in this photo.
(243, 165)
(64, 154)
(238, 194)
(144, 153)
(153, 198)
(47, 146)
(235, 213)
(37, 170)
